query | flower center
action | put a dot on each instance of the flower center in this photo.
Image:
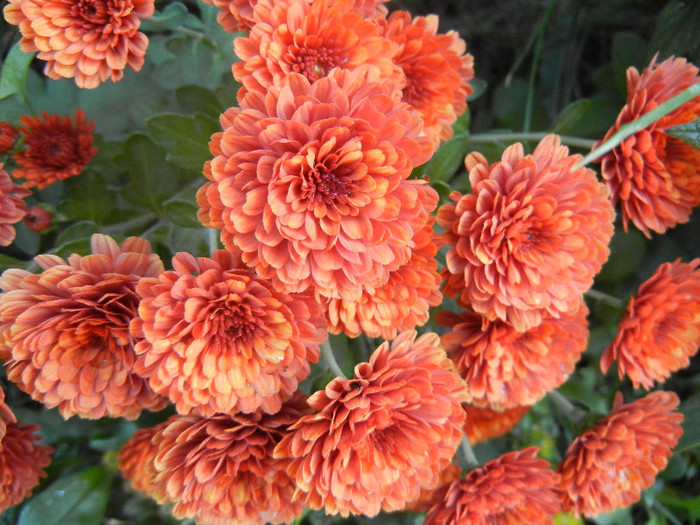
(320, 178)
(56, 150)
(314, 63)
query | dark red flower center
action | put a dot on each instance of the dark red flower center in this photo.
(57, 150)
(100, 13)
(314, 63)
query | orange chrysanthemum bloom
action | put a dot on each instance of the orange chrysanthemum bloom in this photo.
(6, 415)
(660, 330)
(608, 466)
(528, 240)
(13, 208)
(377, 439)
(655, 177)
(234, 15)
(505, 368)
(484, 423)
(437, 68)
(517, 487)
(428, 497)
(88, 40)
(402, 303)
(221, 469)
(8, 137)
(217, 338)
(309, 182)
(65, 332)
(55, 149)
(38, 218)
(310, 38)
(22, 461)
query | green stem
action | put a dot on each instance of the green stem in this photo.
(575, 414)
(329, 358)
(469, 456)
(530, 101)
(213, 240)
(602, 296)
(569, 140)
(630, 128)
(191, 32)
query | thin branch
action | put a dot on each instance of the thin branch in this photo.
(469, 456)
(569, 140)
(604, 297)
(329, 359)
(575, 414)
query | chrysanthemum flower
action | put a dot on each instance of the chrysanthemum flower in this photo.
(528, 240)
(65, 332)
(309, 182)
(234, 15)
(377, 439)
(6, 415)
(221, 469)
(608, 466)
(402, 303)
(428, 497)
(22, 461)
(517, 487)
(484, 423)
(660, 330)
(505, 368)
(655, 177)
(8, 137)
(55, 149)
(310, 38)
(437, 69)
(12, 207)
(89, 40)
(38, 218)
(217, 338)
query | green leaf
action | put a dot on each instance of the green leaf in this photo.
(186, 139)
(676, 31)
(92, 200)
(628, 49)
(478, 86)
(689, 132)
(569, 117)
(13, 78)
(198, 99)
(690, 409)
(79, 499)
(620, 264)
(77, 231)
(182, 209)
(171, 17)
(447, 160)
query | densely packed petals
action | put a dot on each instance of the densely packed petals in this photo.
(54, 148)
(221, 469)
(505, 368)
(65, 331)
(517, 487)
(89, 40)
(234, 15)
(374, 441)
(484, 423)
(310, 38)
(6, 415)
(660, 330)
(653, 176)
(135, 458)
(8, 137)
(608, 466)
(437, 69)
(217, 338)
(309, 183)
(528, 240)
(402, 303)
(428, 497)
(12, 207)
(22, 462)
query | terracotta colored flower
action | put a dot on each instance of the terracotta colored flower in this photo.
(517, 487)
(221, 469)
(608, 466)
(484, 423)
(234, 15)
(310, 38)
(89, 40)
(217, 338)
(8, 137)
(437, 70)
(660, 330)
(309, 182)
(55, 149)
(505, 368)
(377, 439)
(402, 303)
(22, 461)
(6, 415)
(528, 240)
(655, 177)
(12, 207)
(137, 455)
(428, 497)
(65, 332)
(38, 219)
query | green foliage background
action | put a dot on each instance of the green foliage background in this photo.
(541, 66)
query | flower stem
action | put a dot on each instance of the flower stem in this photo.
(602, 296)
(469, 457)
(575, 414)
(577, 142)
(213, 240)
(630, 128)
(329, 358)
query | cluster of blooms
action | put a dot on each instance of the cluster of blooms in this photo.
(325, 231)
